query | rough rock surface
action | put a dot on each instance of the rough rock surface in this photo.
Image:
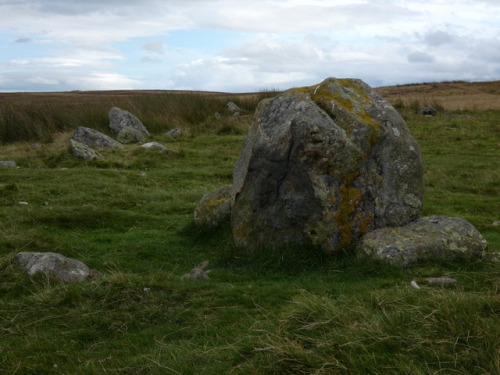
(8, 163)
(83, 151)
(154, 145)
(174, 133)
(91, 137)
(130, 135)
(119, 119)
(325, 165)
(214, 208)
(56, 265)
(232, 107)
(432, 237)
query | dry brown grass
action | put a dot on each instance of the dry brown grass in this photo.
(452, 96)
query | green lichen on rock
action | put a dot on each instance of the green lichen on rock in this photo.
(325, 164)
(433, 237)
(214, 208)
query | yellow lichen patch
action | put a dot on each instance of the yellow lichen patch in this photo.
(350, 199)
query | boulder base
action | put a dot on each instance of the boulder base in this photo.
(433, 237)
(325, 165)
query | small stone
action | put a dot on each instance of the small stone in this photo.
(496, 223)
(233, 107)
(197, 272)
(214, 208)
(142, 174)
(8, 163)
(130, 135)
(65, 269)
(83, 151)
(23, 203)
(441, 280)
(174, 133)
(154, 145)
(414, 285)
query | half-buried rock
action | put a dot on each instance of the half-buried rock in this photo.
(324, 165)
(56, 265)
(433, 237)
(83, 151)
(214, 208)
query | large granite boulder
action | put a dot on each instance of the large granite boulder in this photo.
(120, 119)
(325, 165)
(83, 151)
(91, 137)
(214, 208)
(433, 237)
(56, 265)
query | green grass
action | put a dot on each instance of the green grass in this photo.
(291, 311)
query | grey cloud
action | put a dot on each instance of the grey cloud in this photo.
(438, 38)
(420, 57)
(22, 40)
(155, 46)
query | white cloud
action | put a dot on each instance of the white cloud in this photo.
(125, 43)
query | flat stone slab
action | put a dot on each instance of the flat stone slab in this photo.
(56, 265)
(432, 237)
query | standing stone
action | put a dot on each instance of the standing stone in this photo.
(120, 119)
(325, 165)
(83, 151)
(56, 265)
(91, 137)
(432, 237)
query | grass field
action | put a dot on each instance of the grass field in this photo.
(290, 311)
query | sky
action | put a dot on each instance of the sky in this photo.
(243, 46)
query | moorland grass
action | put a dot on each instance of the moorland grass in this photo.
(288, 311)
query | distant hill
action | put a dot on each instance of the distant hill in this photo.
(455, 95)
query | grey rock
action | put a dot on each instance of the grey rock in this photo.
(197, 272)
(214, 208)
(232, 107)
(443, 280)
(8, 163)
(155, 146)
(432, 237)
(324, 165)
(83, 151)
(120, 119)
(130, 135)
(217, 115)
(428, 111)
(56, 265)
(91, 137)
(174, 133)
